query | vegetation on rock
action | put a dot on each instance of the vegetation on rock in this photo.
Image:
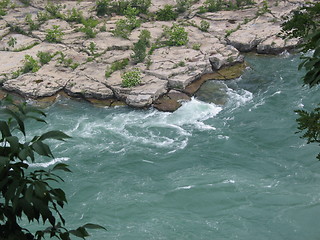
(54, 35)
(176, 35)
(167, 13)
(131, 78)
(115, 66)
(140, 47)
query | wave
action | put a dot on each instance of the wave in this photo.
(48, 164)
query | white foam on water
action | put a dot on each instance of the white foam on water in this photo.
(185, 187)
(239, 97)
(194, 112)
(48, 164)
(150, 128)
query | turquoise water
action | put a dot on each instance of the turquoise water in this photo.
(236, 171)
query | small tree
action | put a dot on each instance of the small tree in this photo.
(140, 47)
(304, 23)
(28, 194)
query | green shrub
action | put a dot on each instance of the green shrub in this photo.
(183, 5)
(140, 47)
(3, 5)
(54, 10)
(117, 65)
(103, 28)
(179, 64)
(166, 13)
(139, 52)
(88, 27)
(66, 62)
(92, 48)
(44, 57)
(30, 64)
(125, 26)
(141, 5)
(196, 46)
(54, 35)
(119, 7)
(213, 5)
(218, 5)
(31, 23)
(102, 7)
(12, 42)
(16, 29)
(43, 16)
(74, 15)
(204, 26)
(131, 78)
(176, 35)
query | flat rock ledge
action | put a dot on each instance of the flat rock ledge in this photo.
(169, 76)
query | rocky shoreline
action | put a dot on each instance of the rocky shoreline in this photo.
(168, 74)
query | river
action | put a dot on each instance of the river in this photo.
(236, 171)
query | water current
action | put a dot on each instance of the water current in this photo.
(235, 171)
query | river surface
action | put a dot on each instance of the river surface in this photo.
(235, 171)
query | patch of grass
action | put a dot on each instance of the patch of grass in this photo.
(23, 48)
(54, 35)
(179, 64)
(66, 62)
(16, 29)
(131, 78)
(117, 65)
(196, 46)
(229, 32)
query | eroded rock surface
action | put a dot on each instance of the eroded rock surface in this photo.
(79, 62)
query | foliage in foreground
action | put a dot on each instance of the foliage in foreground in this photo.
(304, 23)
(28, 194)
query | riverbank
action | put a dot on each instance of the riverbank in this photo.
(87, 65)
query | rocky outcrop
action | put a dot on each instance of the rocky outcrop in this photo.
(169, 74)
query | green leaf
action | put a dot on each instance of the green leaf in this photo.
(80, 232)
(17, 118)
(4, 128)
(42, 149)
(93, 226)
(34, 110)
(37, 119)
(58, 135)
(14, 143)
(40, 189)
(61, 166)
(29, 193)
